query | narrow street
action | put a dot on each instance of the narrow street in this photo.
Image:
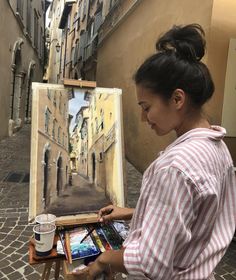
(14, 229)
(81, 197)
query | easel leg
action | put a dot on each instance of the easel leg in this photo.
(57, 269)
(46, 271)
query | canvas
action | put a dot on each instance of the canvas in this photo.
(76, 150)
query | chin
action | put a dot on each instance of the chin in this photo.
(160, 132)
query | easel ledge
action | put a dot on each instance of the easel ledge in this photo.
(79, 83)
(79, 219)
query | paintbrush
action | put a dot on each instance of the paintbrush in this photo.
(87, 234)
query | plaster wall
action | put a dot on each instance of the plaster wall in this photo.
(120, 54)
(223, 27)
(10, 33)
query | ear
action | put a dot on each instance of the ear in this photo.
(178, 98)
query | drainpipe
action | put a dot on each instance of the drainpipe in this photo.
(64, 69)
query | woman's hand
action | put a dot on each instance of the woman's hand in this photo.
(107, 263)
(112, 212)
(93, 270)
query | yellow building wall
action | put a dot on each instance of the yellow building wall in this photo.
(223, 27)
(126, 48)
(110, 169)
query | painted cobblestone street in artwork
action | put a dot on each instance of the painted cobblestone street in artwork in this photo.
(14, 229)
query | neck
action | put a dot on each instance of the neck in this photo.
(192, 121)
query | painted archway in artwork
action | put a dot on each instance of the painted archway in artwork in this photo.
(46, 171)
(28, 106)
(93, 167)
(59, 182)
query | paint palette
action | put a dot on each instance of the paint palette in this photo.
(82, 250)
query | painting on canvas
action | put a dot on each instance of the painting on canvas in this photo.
(76, 150)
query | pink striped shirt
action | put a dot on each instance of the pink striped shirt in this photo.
(186, 214)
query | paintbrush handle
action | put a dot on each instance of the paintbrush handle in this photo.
(90, 231)
(67, 239)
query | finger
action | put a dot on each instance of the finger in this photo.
(91, 263)
(83, 271)
(104, 211)
(107, 218)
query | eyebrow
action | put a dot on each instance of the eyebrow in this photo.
(141, 102)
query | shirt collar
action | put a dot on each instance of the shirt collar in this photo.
(215, 133)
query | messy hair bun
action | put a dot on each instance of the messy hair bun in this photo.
(187, 42)
(177, 65)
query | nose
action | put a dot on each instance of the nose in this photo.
(143, 116)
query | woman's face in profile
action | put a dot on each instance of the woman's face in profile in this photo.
(161, 115)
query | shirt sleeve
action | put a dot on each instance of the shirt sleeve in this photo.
(166, 212)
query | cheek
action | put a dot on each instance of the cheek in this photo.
(153, 115)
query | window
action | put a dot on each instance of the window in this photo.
(55, 99)
(28, 21)
(75, 20)
(100, 156)
(65, 111)
(73, 55)
(49, 93)
(68, 23)
(53, 129)
(96, 122)
(47, 120)
(63, 139)
(84, 10)
(36, 29)
(82, 44)
(78, 16)
(20, 7)
(97, 21)
(102, 119)
(41, 42)
(112, 3)
(59, 105)
(59, 135)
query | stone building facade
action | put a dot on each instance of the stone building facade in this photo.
(22, 59)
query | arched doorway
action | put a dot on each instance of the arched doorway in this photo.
(17, 84)
(46, 196)
(93, 166)
(59, 176)
(29, 95)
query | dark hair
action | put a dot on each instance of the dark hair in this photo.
(177, 65)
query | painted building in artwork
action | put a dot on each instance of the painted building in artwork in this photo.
(22, 59)
(50, 143)
(107, 40)
(95, 151)
(105, 142)
(79, 143)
